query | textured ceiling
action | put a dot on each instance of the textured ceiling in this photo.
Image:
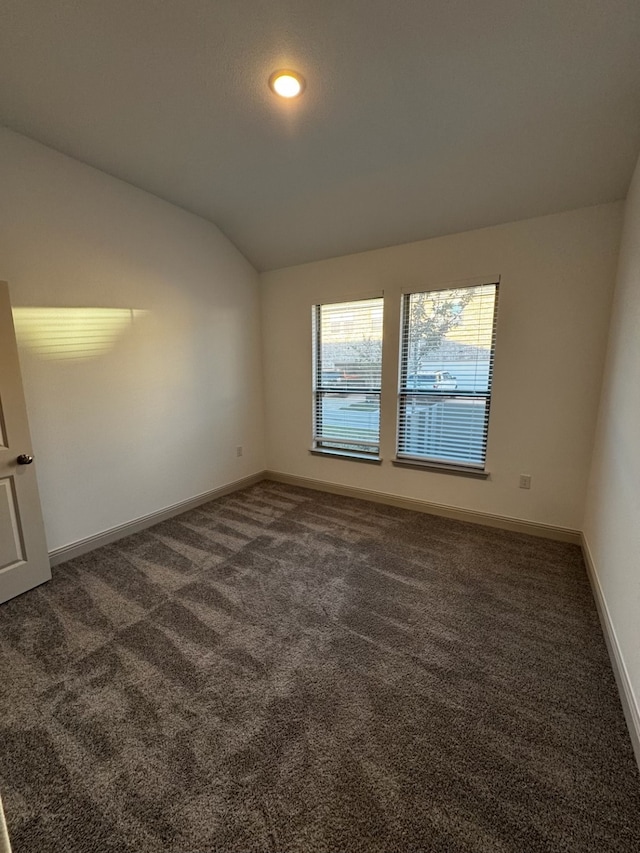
(420, 118)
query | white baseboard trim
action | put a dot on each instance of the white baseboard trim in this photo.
(629, 702)
(533, 528)
(76, 549)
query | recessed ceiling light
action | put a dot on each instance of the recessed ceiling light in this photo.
(286, 83)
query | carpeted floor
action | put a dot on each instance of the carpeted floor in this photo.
(284, 670)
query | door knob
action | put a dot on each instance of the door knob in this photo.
(24, 459)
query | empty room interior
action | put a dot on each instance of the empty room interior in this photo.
(319, 426)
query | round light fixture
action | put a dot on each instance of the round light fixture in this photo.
(286, 83)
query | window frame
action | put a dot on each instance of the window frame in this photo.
(412, 460)
(322, 445)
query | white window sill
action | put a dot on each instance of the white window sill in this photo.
(442, 468)
(347, 454)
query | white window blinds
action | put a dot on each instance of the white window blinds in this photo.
(347, 369)
(446, 371)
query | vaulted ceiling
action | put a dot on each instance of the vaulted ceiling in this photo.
(420, 117)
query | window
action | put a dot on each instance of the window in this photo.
(347, 367)
(446, 370)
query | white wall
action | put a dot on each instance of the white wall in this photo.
(612, 517)
(557, 276)
(156, 419)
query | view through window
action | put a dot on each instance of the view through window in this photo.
(446, 371)
(347, 369)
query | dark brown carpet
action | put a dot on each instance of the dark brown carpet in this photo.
(283, 670)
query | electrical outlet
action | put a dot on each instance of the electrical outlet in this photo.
(525, 481)
(239, 450)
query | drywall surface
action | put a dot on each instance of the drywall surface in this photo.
(142, 406)
(556, 275)
(612, 517)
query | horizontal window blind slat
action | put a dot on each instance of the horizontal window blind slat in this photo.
(355, 441)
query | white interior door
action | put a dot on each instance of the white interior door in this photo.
(24, 560)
